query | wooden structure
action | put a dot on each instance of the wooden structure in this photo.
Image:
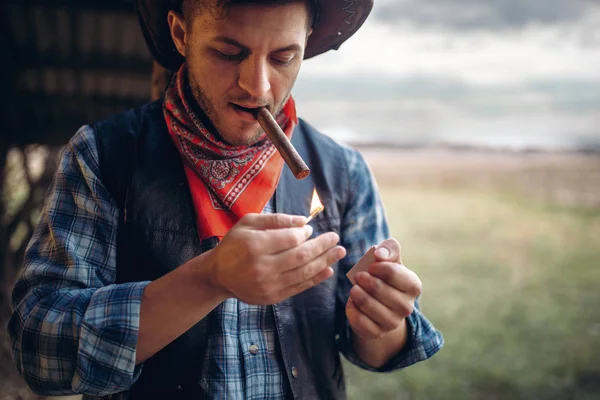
(72, 62)
(66, 63)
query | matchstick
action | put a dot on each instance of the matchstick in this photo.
(314, 214)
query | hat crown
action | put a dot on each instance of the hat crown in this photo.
(337, 21)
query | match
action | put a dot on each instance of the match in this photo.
(316, 206)
(314, 214)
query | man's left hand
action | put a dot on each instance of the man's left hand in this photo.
(384, 296)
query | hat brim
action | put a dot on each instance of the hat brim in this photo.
(338, 21)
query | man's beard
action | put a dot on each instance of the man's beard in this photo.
(231, 138)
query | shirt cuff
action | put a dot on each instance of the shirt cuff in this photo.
(108, 340)
(422, 343)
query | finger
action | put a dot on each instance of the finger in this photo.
(389, 250)
(301, 287)
(361, 324)
(397, 276)
(278, 240)
(377, 312)
(272, 221)
(400, 303)
(309, 271)
(306, 252)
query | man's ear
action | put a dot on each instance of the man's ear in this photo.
(178, 30)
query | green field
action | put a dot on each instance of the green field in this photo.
(513, 284)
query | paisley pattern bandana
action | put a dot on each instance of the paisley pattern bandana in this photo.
(226, 182)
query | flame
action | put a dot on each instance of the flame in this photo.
(315, 205)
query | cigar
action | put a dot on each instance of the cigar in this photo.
(282, 143)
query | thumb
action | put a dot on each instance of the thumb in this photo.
(273, 221)
(389, 250)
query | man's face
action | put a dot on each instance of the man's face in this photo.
(247, 57)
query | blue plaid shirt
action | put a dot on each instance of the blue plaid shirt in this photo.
(73, 330)
(242, 358)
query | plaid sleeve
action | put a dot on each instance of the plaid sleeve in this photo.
(363, 225)
(72, 329)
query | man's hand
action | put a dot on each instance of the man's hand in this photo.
(384, 296)
(266, 258)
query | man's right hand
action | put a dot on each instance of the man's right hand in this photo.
(266, 258)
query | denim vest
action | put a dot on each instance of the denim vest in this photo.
(143, 171)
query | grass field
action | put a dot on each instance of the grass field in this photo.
(512, 281)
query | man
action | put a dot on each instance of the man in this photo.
(173, 260)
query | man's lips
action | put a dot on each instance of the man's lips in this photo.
(247, 108)
(243, 108)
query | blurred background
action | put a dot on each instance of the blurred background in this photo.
(481, 122)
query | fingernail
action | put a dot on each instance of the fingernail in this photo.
(298, 220)
(309, 230)
(382, 252)
(343, 252)
(335, 237)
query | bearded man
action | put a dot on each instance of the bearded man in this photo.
(173, 259)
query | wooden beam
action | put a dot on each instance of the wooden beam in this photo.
(53, 119)
(91, 62)
(104, 5)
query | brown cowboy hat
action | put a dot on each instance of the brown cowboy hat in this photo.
(337, 21)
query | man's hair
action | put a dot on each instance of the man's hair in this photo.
(191, 8)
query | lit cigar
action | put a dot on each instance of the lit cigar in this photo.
(282, 143)
(315, 206)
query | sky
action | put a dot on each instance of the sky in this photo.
(501, 73)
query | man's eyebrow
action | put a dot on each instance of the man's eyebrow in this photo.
(291, 47)
(233, 42)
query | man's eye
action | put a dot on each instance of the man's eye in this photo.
(230, 57)
(284, 61)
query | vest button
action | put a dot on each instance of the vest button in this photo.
(294, 372)
(253, 349)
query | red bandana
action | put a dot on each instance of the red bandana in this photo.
(226, 182)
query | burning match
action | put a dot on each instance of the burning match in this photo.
(315, 206)
(282, 143)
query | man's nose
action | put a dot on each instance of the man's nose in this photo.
(254, 77)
